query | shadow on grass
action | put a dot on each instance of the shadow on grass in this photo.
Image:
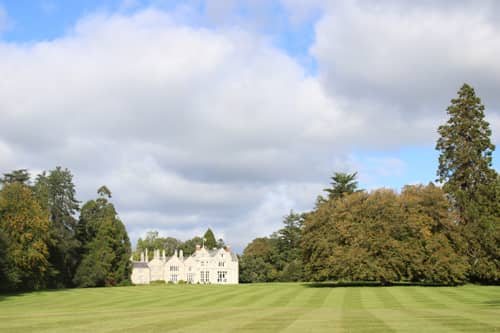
(5, 295)
(493, 303)
(330, 284)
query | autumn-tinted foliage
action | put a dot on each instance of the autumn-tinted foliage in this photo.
(38, 235)
(384, 236)
(24, 227)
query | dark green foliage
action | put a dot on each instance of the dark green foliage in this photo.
(7, 274)
(465, 169)
(24, 227)
(221, 244)
(209, 239)
(106, 246)
(153, 241)
(56, 194)
(342, 184)
(189, 246)
(259, 260)
(386, 237)
(17, 176)
(277, 258)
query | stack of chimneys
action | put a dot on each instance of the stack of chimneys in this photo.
(198, 247)
(228, 248)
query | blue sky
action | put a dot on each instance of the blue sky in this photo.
(227, 114)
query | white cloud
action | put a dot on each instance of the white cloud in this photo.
(183, 124)
(192, 127)
(398, 64)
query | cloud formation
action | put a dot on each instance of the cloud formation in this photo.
(195, 126)
(183, 124)
(403, 61)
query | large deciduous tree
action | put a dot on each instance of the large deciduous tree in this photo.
(25, 233)
(153, 241)
(385, 237)
(259, 259)
(465, 169)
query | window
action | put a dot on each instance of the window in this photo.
(190, 277)
(204, 276)
(221, 276)
(174, 268)
(221, 263)
(173, 277)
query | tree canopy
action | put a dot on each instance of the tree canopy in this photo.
(465, 169)
(106, 247)
(25, 236)
(342, 184)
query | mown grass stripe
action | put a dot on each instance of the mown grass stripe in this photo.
(355, 317)
(423, 300)
(290, 307)
(253, 297)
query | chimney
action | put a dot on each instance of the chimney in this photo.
(163, 254)
(198, 247)
(142, 256)
(181, 254)
(175, 253)
(147, 257)
(228, 248)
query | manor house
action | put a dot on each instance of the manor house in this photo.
(217, 266)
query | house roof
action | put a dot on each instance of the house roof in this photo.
(140, 265)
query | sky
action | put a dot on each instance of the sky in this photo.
(230, 114)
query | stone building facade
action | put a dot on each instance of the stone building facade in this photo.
(217, 266)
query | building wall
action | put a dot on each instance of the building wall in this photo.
(140, 276)
(202, 267)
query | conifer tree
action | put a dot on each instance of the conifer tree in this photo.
(465, 169)
(342, 184)
(106, 246)
(55, 192)
(209, 239)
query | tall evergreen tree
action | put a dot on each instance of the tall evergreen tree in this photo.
(465, 169)
(106, 245)
(289, 250)
(56, 194)
(209, 239)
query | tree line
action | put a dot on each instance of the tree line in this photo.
(154, 241)
(44, 245)
(430, 234)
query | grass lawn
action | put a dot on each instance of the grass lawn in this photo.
(254, 308)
